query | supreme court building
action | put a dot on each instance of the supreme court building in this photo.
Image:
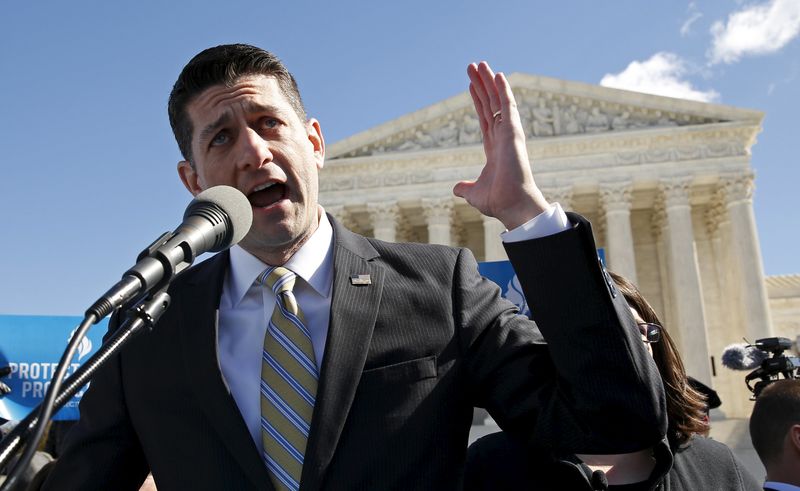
(667, 184)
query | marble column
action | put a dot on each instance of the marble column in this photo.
(493, 249)
(723, 308)
(658, 222)
(615, 200)
(561, 195)
(384, 217)
(438, 215)
(747, 255)
(687, 292)
(727, 293)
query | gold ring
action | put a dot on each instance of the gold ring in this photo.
(496, 113)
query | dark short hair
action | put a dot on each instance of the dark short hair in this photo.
(777, 409)
(686, 407)
(224, 65)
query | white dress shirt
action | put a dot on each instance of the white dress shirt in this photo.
(246, 307)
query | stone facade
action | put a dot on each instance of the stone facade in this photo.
(666, 182)
(784, 302)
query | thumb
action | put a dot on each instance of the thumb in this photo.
(462, 188)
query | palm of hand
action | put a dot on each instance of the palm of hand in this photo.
(505, 188)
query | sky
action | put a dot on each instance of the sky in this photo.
(89, 162)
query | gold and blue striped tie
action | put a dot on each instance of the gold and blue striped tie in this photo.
(289, 378)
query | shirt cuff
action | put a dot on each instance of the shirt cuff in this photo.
(549, 222)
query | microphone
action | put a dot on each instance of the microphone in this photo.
(740, 356)
(216, 219)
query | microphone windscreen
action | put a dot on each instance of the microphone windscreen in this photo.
(741, 356)
(234, 204)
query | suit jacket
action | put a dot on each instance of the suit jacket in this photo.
(497, 461)
(406, 359)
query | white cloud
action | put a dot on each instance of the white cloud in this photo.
(694, 16)
(755, 30)
(662, 74)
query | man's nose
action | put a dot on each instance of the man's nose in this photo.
(254, 150)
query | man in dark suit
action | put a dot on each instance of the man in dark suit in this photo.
(775, 431)
(398, 341)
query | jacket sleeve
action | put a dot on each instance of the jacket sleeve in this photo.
(579, 379)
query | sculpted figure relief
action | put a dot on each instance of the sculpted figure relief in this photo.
(569, 121)
(596, 122)
(621, 121)
(421, 140)
(539, 118)
(543, 120)
(447, 135)
(469, 131)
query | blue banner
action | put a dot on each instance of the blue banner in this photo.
(503, 274)
(31, 346)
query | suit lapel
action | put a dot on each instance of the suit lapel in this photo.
(354, 308)
(199, 305)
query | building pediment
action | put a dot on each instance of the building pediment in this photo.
(549, 108)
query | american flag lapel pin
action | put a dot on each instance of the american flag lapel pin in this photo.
(360, 279)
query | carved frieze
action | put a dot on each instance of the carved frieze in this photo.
(681, 153)
(363, 178)
(543, 115)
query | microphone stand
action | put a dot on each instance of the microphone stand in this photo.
(144, 314)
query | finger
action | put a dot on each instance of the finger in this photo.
(487, 77)
(508, 104)
(479, 109)
(480, 91)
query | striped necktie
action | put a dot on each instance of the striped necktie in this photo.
(289, 378)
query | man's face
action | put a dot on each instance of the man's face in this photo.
(248, 136)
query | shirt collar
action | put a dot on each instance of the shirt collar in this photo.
(780, 486)
(313, 262)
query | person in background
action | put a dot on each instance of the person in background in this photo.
(684, 461)
(711, 397)
(775, 431)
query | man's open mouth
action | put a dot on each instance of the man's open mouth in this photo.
(267, 194)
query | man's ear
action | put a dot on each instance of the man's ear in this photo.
(189, 177)
(317, 140)
(794, 437)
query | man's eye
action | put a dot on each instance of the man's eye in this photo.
(270, 123)
(220, 139)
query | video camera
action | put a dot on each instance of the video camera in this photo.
(773, 367)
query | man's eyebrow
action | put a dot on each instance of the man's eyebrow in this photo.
(211, 128)
(255, 107)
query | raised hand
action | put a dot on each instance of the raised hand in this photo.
(505, 189)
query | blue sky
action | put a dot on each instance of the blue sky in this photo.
(88, 159)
